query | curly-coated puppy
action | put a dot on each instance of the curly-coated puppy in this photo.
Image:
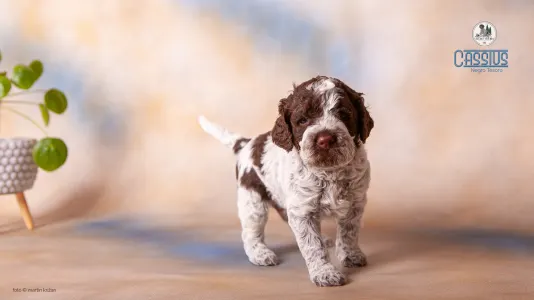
(310, 165)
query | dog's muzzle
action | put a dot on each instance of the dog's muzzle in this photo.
(327, 148)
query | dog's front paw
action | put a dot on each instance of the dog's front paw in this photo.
(328, 277)
(354, 260)
(264, 257)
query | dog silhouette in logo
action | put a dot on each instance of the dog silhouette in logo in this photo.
(485, 31)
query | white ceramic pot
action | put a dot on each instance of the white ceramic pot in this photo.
(18, 171)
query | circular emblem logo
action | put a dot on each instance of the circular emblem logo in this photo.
(484, 33)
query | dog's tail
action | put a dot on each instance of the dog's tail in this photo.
(230, 139)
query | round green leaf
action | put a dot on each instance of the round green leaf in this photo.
(23, 77)
(5, 86)
(56, 101)
(45, 114)
(50, 153)
(37, 68)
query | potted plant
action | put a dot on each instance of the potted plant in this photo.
(21, 157)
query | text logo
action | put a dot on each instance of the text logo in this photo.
(482, 60)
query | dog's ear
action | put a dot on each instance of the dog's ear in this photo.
(364, 121)
(281, 132)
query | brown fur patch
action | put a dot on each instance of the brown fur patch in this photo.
(258, 148)
(251, 181)
(297, 112)
(363, 120)
(281, 132)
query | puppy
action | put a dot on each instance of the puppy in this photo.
(311, 164)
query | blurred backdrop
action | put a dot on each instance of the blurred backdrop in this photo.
(450, 147)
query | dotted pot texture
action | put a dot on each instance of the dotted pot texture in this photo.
(17, 168)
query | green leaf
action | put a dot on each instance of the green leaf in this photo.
(5, 86)
(37, 68)
(50, 153)
(45, 114)
(0, 55)
(23, 77)
(56, 101)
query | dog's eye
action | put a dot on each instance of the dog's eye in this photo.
(302, 121)
(345, 115)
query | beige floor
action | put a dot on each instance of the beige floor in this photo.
(137, 259)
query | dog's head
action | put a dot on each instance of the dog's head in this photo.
(324, 120)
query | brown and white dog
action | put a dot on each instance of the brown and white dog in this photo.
(310, 165)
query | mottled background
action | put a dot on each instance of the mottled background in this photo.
(452, 150)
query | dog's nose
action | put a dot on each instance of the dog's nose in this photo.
(325, 140)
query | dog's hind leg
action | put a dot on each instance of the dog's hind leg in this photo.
(253, 214)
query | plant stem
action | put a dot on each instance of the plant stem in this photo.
(18, 102)
(27, 118)
(25, 93)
